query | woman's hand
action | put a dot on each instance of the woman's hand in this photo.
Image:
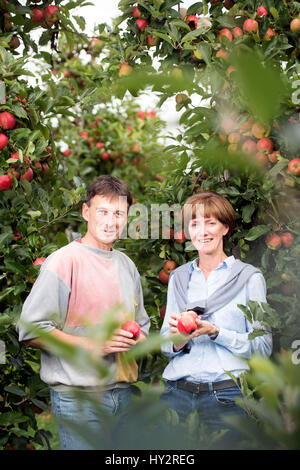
(173, 320)
(204, 328)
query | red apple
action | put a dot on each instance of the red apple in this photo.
(5, 182)
(192, 21)
(237, 32)
(249, 147)
(259, 130)
(28, 175)
(37, 15)
(295, 25)
(270, 32)
(250, 26)
(186, 324)
(294, 167)
(287, 239)
(105, 156)
(151, 114)
(163, 277)
(3, 141)
(124, 69)
(150, 40)
(162, 312)
(260, 157)
(225, 32)
(136, 12)
(142, 24)
(141, 114)
(169, 266)
(262, 11)
(222, 54)
(273, 156)
(132, 327)
(66, 153)
(228, 125)
(265, 145)
(273, 241)
(100, 145)
(30, 447)
(50, 15)
(180, 237)
(7, 120)
(39, 261)
(84, 135)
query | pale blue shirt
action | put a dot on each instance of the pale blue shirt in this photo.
(208, 359)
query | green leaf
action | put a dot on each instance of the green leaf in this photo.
(247, 212)
(256, 232)
(274, 13)
(192, 35)
(15, 390)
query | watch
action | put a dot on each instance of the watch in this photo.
(215, 334)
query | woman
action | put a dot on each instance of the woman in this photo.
(196, 377)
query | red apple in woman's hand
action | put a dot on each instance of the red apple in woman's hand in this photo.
(187, 322)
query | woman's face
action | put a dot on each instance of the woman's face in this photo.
(207, 234)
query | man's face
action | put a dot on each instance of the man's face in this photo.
(106, 219)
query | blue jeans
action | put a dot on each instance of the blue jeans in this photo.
(90, 420)
(211, 406)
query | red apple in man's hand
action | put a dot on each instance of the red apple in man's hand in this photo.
(132, 327)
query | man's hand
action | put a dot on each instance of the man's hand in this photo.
(121, 341)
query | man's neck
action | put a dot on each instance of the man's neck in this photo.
(90, 241)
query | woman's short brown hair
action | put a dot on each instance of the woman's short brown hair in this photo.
(213, 204)
(110, 187)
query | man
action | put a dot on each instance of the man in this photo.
(76, 286)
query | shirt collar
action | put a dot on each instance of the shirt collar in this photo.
(227, 263)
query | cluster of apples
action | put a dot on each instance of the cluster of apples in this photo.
(275, 241)
(165, 272)
(7, 122)
(250, 137)
(46, 17)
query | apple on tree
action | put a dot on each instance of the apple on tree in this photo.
(294, 167)
(273, 241)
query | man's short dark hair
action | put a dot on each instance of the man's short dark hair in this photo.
(110, 187)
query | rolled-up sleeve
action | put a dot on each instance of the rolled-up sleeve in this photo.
(45, 307)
